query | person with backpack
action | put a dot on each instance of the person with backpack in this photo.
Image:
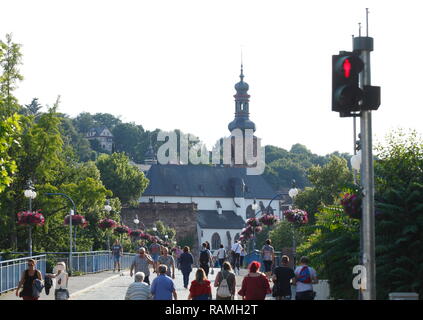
(225, 282)
(305, 278)
(31, 288)
(205, 259)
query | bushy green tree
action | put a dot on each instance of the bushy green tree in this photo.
(126, 182)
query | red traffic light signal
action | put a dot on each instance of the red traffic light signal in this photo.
(346, 93)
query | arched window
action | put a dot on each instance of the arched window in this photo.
(215, 241)
(236, 237)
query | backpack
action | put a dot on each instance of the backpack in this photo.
(223, 289)
(304, 275)
(204, 257)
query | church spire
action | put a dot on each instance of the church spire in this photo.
(242, 99)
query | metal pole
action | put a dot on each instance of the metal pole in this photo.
(30, 230)
(367, 182)
(70, 241)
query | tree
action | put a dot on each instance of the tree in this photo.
(107, 120)
(126, 181)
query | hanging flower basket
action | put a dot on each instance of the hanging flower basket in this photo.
(254, 222)
(107, 224)
(352, 205)
(248, 231)
(268, 219)
(77, 220)
(30, 218)
(122, 229)
(137, 233)
(296, 216)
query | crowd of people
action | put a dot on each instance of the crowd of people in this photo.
(256, 285)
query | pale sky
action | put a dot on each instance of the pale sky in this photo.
(173, 64)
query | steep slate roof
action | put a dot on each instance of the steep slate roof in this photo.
(211, 219)
(98, 131)
(205, 181)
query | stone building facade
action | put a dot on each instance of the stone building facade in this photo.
(180, 216)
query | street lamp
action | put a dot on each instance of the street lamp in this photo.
(30, 194)
(108, 208)
(293, 192)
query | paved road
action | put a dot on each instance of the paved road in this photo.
(115, 288)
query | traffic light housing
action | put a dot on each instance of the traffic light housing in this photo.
(346, 93)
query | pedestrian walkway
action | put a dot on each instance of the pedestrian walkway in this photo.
(112, 286)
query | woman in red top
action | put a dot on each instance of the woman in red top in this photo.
(200, 288)
(255, 285)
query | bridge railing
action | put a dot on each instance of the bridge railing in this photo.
(82, 262)
(11, 271)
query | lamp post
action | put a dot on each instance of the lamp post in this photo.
(293, 192)
(70, 225)
(108, 208)
(30, 194)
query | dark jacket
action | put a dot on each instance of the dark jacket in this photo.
(48, 283)
(186, 260)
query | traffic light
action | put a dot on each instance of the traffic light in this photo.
(346, 93)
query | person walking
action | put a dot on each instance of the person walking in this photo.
(225, 282)
(305, 278)
(268, 256)
(221, 256)
(241, 257)
(205, 259)
(255, 284)
(163, 287)
(61, 291)
(27, 281)
(138, 290)
(186, 260)
(155, 253)
(141, 263)
(200, 287)
(236, 253)
(178, 252)
(282, 277)
(117, 252)
(168, 261)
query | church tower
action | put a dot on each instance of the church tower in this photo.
(242, 121)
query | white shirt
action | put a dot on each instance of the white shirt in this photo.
(221, 253)
(301, 287)
(237, 248)
(63, 283)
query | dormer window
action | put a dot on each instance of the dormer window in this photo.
(177, 188)
(201, 187)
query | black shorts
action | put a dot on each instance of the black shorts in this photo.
(267, 266)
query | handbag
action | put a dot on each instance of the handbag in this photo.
(61, 294)
(275, 290)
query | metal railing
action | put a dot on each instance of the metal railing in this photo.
(11, 271)
(83, 262)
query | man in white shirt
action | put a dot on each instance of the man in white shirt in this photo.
(221, 255)
(138, 290)
(236, 250)
(305, 278)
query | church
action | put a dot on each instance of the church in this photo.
(223, 194)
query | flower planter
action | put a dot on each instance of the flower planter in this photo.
(268, 219)
(30, 218)
(77, 220)
(352, 205)
(107, 224)
(122, 230)
(296, 216)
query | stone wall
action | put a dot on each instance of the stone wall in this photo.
(180, 216)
